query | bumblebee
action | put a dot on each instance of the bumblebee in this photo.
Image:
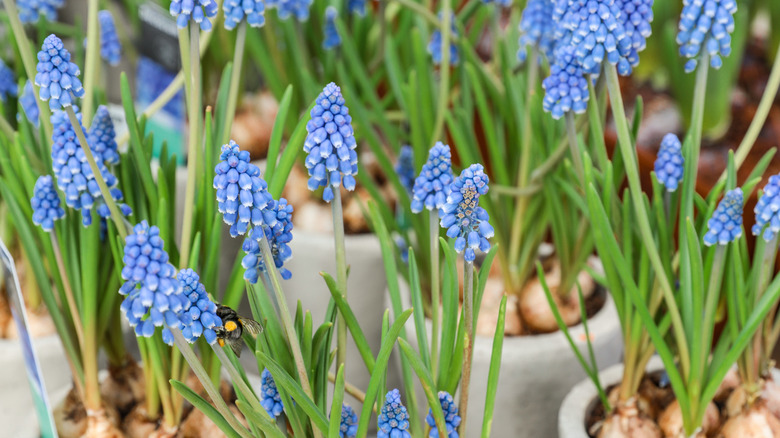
(233, 327)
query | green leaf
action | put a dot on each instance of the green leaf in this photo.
(495, 365)
(275, 143)
(338, 400)
(202, 405)
(352, 323)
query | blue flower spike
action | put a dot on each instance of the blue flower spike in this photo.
(8, 86)
(31, 10)
(242, 194)
(349, 422)
(29, 105)
(330, 144)
(768, 210)
(269, 395)
(332, 37)
(725, 225)
(199, 315)
(154, 296)
(432, 186)
(57, 76)
(46, 204)
(636, 16)
(393, 419)
(357, 7)
(287, 8)
(110, 47)
(279, 236)
(237, 10)
(434, 46)
(102, 136)
(537, 29)
(464, 219)
(566, 89)
(706, 27)
(404, 167)
(199, 11)
(669, 163)
(451, 417)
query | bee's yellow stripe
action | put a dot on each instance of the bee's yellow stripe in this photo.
(230, 326)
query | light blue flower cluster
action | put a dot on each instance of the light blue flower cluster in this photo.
(636, 16)
(597, 33)
(566, 89)
(31, 10)
(725, 225)
(432, 186)
(393, 420)
(357, 7)
(269, 395)
(434, 46)
(102, 136)
(537, 28)
(332, 37)
(199, 315)
(286, 8)
(768, 210)
(8, 86)
(451, 416)
(349, 422)
(29, 105)
(278, 231)
(74, 175)
(236, 10)
(330, 144)
(405, 167)
(706, 24)
(151, 287)
(463, 218)
(199, 11)
(242, 194)
(56, 75)
(46, 204)
(669, 163)
(110, 47)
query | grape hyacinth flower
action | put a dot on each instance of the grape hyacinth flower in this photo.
(269, 395)
(151, 287)
(286, 8)
(725, 225)
(393, 420)
(405, 167)
(636, 16)
(279, 236)
(537, 28)
(707, 25)
(768, 210)
(432, 186)
(242, 195)
(566, 89)
(199, 315)
(31, 10)
(236, 10)
(330, 144)
(434, 46)
(463, 218)
(8, 86)
(74, 175)
(349, 422)
(29, 105)
(597, 33)
(110, 47)
(332, 37)
(357, 7)
(669, 164)
(57, 76)
(46, 203)
(451, 417)
(199, 11)
(102, 137)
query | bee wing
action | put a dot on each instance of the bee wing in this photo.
(236, 346)
(252, 326)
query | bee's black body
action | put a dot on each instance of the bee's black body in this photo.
(233, 327)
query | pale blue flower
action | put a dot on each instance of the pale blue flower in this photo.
(725, 225)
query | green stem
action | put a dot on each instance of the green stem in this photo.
(444, 70)
(710, 309)
(697, 120)
(341, 271)
(420, 10)
(6, 128)
(238, 380)
(158, 375)
(91, 62)
(72, 307)
(629, 158)
(468, 348)
(435, 292)
(121, 228)
(235, 81)
(576, 156)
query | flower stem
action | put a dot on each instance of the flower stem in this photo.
(341, 271)
(91, 63)
(418, 9)
(238, 380)
(235, 80)
(6, 128)
(74, 310)
(435, 292)
(444, 70)
(571, 134)
(468, 348)
(116, 216)
(194, 144)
